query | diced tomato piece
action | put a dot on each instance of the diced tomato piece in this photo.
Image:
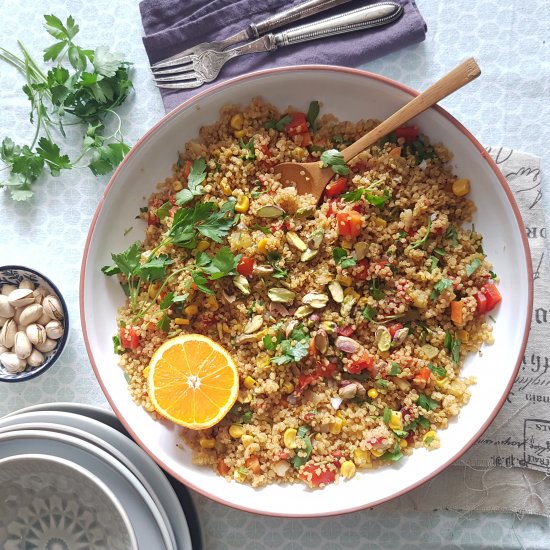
(186, 169)
(253, 464)
(365, 362)
(349, 223)
(423, 374)
(316, 474)
(297, 125)
(336, 187)
(245, 266)
(410, 133)
(325, 371)
(457, 312)
(345, 331)
(223, 468)
(305, 380)
(492, 295)
(481, 303)
(129, 338)
(306, 139)
(265, 150)
(152, 219)
(361, 271)
(359, 207)
(394, 328)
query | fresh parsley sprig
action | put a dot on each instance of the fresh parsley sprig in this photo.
(278, 125)
(83, 87)
(341, 258)
(335, 159)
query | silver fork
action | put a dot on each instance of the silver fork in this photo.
(255, 30)
(195, 70)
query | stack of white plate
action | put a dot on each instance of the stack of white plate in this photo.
(91, 438)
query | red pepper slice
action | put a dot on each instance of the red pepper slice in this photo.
(314, 475)
(423, 375)
(129, 338)
(253, 464)
(245, 266)
(349, 223)
(336, 187)
(365, 362)
(325, 371)
(481, 303)
(345, 331)
(410, 133)
(297, 124)
(492, 295)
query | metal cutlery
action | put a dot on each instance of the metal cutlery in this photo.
(192, 71)
(255, 30)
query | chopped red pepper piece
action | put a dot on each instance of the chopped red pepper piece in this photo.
(365, 362)
(316, 474)
(492, 295)
(325, 371)
(481, 303)
(349, 223)
(223, 468)
(253, 464)
(129, 338)
(297, 125)
(423, 375)
(394, 328)
(347, 331)
(361, 271)
(245, 266)
(410, 133)
(336, 187)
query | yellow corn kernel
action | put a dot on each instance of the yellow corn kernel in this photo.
(461, 187)
(177, 185)
(340, 415)
(428, 437)
(191, 310)
(263, 363)
(288, 387)
(212, 303)
(345, 280)
(361, 458)
(181, 321)
(203, 245)
(226, 189)
(249, 382)
(396, 420)
(262, 245)
(441, 383)
(243, 204)
(247, 440)
(463, 335)
(207, 443)
(239, 134)
(318, 437)
(153, 289)
(380, 222)
(289, 438)
(146, 372)
(373, 393)
(403, 443)
(236, 431)
(237, 121)
(377, 453)
(335, 427)
(347, 470)
(298, 153)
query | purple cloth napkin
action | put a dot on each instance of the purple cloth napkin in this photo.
(172, 26)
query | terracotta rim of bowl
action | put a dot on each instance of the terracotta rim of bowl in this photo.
(411, 92)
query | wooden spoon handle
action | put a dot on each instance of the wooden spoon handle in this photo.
(458, 77)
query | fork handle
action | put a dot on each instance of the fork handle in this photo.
(301, 11)
(374, 15)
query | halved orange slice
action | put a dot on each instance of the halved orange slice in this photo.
(192, 381)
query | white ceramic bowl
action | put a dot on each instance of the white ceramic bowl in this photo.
(45, 497)
(350, 95)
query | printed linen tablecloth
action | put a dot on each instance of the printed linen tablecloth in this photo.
(505, 106)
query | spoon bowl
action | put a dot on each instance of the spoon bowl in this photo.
(313, 177)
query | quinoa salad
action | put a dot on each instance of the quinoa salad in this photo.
(349, 321)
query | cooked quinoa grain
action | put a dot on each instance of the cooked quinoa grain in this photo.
(349, 321)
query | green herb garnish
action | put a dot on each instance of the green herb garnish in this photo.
(250, 152)
(375, 291)
(278, 125)
(421, 241)
(439, 287)
(427, 403)
(369, 313)
(387, 415)
(335, 160)
(437, 370)
(341, 258)
(452, 235)
(117, 348)
(473, 266)
(246, 417)
(433, 263)
(84, 87)
(163, 210)
(395, 369)
(303, 434)
(312, 114)
(294, 349)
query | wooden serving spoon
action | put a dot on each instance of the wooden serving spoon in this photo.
(310, 177)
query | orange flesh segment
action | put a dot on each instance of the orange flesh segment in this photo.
(192, 381)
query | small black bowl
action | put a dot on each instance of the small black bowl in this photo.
(13, 275)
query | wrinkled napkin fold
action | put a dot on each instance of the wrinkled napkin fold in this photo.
(172, 26)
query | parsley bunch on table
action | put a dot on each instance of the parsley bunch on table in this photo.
(82, 87)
